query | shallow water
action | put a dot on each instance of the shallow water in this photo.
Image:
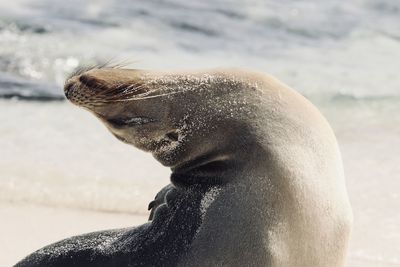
(330, 47)
(342, 55)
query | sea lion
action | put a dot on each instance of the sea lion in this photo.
(257, 177)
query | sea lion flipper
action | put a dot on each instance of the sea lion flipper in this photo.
(159, 199)
(79, 251)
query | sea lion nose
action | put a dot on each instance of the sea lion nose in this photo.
(83, 81)
(90, 81)
(68, 87)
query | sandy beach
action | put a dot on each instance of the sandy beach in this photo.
(25, 228)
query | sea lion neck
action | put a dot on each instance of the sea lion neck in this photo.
(203, 170)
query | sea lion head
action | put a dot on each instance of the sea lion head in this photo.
(177, 116)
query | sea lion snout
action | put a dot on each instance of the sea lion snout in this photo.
(80, 88)
(97, 86)
(85, 79)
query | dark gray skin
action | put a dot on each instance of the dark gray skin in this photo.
(256, 174)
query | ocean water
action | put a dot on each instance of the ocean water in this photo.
(342, 55)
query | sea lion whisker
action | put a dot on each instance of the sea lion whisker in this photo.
(122, 64)
(109, 93)
(110, 90)
(135, 90)
(122, 91)
(104, 90)
(113, 63)
(124, 88)
(134, 87)
(80, 70)
(133, 94)
(148, 97)
(105, 64)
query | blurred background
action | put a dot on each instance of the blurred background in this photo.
(62, 173)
